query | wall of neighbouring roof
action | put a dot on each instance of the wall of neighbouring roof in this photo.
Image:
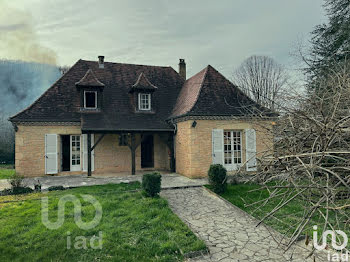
(109, 156)
(194, 145)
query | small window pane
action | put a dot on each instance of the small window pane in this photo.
(145, 102)
(90, 99)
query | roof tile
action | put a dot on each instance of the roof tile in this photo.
(89, 79)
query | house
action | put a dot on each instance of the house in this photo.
(103, 117)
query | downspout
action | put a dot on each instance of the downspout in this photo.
(174, 143)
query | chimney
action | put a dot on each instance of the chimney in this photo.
(101, 59)
(182, 68)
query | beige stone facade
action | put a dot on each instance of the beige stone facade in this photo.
(109, 156)
(193, 146)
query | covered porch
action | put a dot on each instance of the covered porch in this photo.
(129, 152)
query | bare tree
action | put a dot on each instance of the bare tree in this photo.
(63, 69)
(311, 160)
(262, 79)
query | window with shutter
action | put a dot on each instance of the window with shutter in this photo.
(250, 149)
(218, 146)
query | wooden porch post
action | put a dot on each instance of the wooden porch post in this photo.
(172, 153)
(89, 153)
(133, 145)
(133, 154)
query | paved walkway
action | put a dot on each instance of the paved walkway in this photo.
(168, 181)
(229, 233)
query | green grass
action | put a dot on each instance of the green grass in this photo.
(6, 171)
(285, 220)
(134, 228)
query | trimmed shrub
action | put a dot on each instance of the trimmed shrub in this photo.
(21, 190)
(53, 188)
(217, 178)
(151, 183)
(16, 191)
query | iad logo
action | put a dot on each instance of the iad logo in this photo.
(80, 241)
(334, 240)
(343, 256)
(77, 212)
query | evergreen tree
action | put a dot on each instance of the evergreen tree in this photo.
(330, 41)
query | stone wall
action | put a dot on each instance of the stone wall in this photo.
(110, 157)
(194, 144)
(30, 147)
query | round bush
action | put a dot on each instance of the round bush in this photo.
(217, 178)
(151, 183)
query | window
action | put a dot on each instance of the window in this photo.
(123, 139)
(144, 101)
(90, 99)
(75, 150)
(232, 147)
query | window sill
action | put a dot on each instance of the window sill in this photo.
(90, 110)
(145, 111)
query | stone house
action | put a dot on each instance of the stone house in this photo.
(103, 117)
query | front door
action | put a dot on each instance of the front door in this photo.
(65, 156)
(232, 149)
(75, 153)
(147, 152)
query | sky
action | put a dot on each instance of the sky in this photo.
(221, 33)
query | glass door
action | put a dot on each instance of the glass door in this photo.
(232, 150)
(75, 153)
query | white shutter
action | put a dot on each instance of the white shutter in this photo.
(218, 146)
(250, 140)
(51, 166)
(85, 153)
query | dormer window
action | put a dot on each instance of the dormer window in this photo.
(144, 101)
(90, 99)
(91, 93)
(141, 95)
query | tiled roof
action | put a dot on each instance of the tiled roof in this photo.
(61, 102)
(209, 93)
(89, 79)
(143, 83)
(189, 94)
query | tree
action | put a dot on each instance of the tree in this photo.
(7, 141)
(63, 69)
(330, 41)
(262, 79)
(311, 162)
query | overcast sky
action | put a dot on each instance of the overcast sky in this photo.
(221, 33)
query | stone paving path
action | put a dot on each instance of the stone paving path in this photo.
(229, 233)
(168, 181)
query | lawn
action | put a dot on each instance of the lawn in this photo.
(284, 220)
(134, 228)
(6, 171)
